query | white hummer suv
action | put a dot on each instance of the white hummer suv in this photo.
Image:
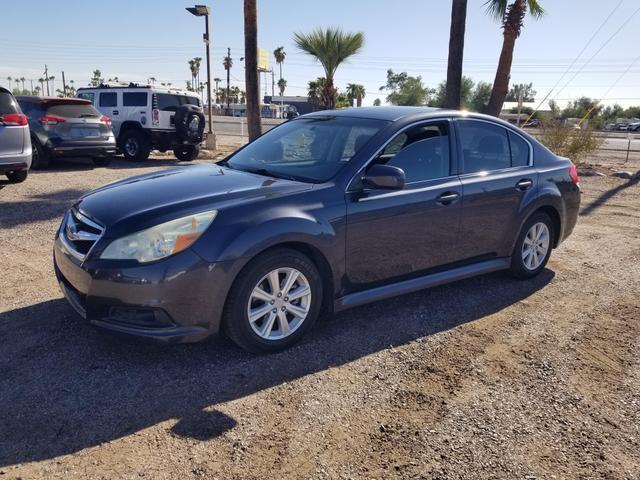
(146, 117)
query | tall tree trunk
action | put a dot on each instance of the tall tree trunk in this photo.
(328, 94)
(251, 70)
(456, 52)
(359, 101)
(511, 30)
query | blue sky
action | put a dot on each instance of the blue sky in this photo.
(137, 39)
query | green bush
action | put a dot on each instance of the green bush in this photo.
(567, 141)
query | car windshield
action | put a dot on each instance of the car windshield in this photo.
(310, 149)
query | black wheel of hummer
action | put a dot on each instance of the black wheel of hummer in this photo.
(187, 153)
(135, 146)
(189, 122)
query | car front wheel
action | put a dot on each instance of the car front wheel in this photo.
(275, 300)
(533, 247)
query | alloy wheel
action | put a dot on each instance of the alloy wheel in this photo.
(279, 303)
(131, 146)
(535, 246)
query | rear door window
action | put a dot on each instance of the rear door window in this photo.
(134, 99)
(87, 96)
(73, 110)
(108, 99)
(519, 150)
(8, 104)
(485, 146)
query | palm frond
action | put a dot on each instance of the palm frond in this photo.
(535, 9)
(496, 8)
(330, 46)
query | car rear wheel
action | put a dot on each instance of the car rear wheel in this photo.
(275, 300)
(17, 176)
(102, 161)
(533, 247)
(135, 146)
(39, 157)
(187, 153)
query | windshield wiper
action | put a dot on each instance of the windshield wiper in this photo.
(269, 173)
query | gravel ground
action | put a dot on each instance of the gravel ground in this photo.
(484, 378)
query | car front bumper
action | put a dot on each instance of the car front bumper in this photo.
(175, 300)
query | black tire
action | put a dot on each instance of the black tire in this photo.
(187, 153)
(518, 267)
(236, 320)
(17, 176)
(189, 121)
(40, 158)
(102, 161)
(135, 146)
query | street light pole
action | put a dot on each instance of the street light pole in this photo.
(208, 41)
(205, 11)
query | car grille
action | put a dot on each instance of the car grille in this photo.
(80, 234)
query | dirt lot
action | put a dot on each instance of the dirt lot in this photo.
(485, 378)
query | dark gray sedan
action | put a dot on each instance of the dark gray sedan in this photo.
(328, 211)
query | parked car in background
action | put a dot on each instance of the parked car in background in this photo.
(67, 127)
(328, 211)
(15, 144)
(146, 117)
(535, 123)
(634, 127)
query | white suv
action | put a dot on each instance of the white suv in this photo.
(146, 118)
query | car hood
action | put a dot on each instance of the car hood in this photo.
(145, 200)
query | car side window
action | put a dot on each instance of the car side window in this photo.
(422, 152)
(108, 99)
(519, 150)
(485, 146)
(134, 99)
(87, 96)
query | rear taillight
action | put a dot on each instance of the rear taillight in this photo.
(573, 173)
(51, 120)
(106, 120)
(14, 119)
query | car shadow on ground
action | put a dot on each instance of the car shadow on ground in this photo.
(66, 386)
(38, 207)
(609, 194)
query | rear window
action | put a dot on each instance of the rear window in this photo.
(30, 108)
(170, 103)
(73, 110)
(134, 99)
(7, 104)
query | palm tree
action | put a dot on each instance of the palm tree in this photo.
(355, 92)
(279, 54)
(227, 62)
(41, 80)
(282, 84)
(511, 16)
(314, 93)
(456, 49)
(22, 80)
(36, 91)
(9, 79)
(330, 47)
(251, 69)
(152, 80)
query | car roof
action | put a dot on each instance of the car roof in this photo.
(37, 99)
(395, 113)
(391, 113)
(151, 88)
(5, 90)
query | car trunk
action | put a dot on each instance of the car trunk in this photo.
(75, 121)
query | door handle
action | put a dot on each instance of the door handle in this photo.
(447, 198)
(524, 184)
(115, 112)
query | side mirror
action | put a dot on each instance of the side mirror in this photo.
(385, 176)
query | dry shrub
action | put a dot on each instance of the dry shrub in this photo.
(567, 141)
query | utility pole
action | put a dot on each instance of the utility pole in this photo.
(273, 85)
(46, 77)
(64, 85)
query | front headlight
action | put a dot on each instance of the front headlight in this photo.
(160, 241)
